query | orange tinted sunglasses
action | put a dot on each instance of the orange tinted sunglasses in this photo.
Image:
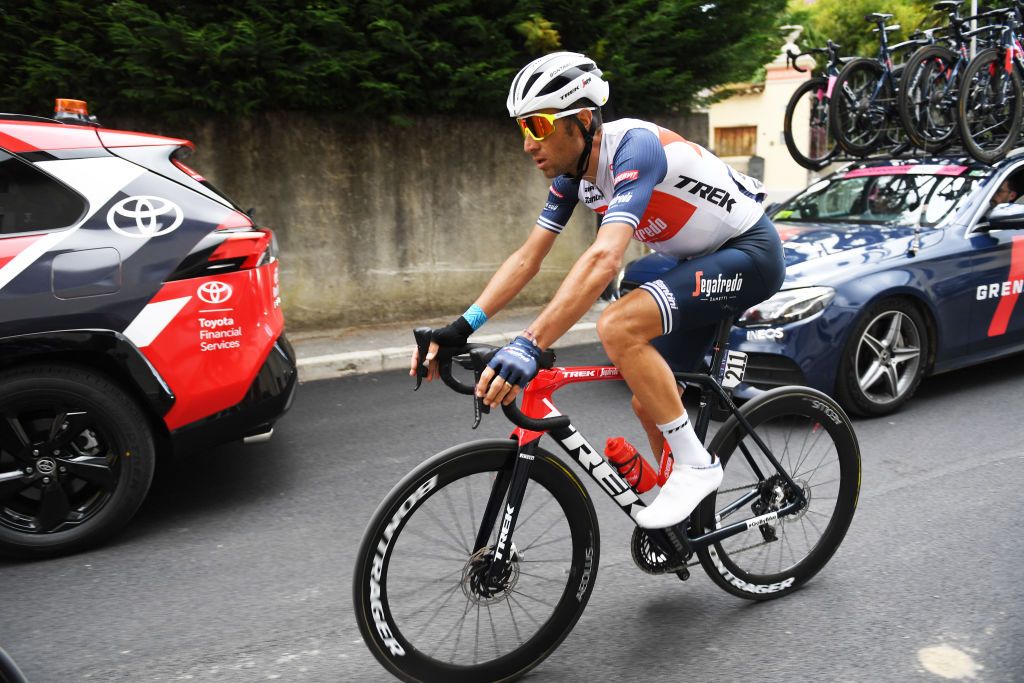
(539, 126)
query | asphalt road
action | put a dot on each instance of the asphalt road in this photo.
(239, 566)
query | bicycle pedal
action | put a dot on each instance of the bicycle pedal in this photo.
(683, 574)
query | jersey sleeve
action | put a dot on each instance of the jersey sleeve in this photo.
(563, 196)
(639, 165)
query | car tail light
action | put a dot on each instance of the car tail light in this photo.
(230, 248)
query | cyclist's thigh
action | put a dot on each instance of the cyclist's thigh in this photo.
(684, 349)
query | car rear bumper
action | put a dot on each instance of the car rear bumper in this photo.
(269, 397)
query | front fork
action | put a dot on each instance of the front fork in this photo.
(507, 507)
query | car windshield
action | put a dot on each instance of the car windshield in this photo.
(871, 195)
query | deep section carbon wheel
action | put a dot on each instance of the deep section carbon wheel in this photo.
(814, 442)
(422, 598)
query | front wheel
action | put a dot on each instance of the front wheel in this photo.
(990, 106)
(927, 98)
(420, 599)
(884, 360)
(813, 440)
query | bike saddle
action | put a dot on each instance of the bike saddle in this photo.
(947, 4)
(877, 16)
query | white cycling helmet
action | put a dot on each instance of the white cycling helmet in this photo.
(556, 81)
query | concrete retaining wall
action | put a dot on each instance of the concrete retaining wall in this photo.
(380, 222)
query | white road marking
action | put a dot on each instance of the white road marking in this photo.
(948, 662)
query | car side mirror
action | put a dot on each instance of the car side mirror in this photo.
(1006, 217)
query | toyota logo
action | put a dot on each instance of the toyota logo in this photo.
(144, 216)
(46, 466)
(214, 292)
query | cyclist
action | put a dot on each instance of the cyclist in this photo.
(652, 185)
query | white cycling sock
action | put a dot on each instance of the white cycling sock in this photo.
(686, 447)
(693, 477)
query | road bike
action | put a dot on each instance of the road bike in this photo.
(863, 107)
(929, 90)
(990, 97)
(810, 142)
(481, 560)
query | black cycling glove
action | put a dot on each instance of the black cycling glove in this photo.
(516, 363)
(454, 335)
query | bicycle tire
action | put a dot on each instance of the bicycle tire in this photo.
(923, 100)
(812, 96)
(859, 119)
(414, 507)
(771, 414)
(999, 124)
(9, 671)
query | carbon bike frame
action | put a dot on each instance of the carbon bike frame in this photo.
(675, 541)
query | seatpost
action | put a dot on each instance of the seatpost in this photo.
(717, 370)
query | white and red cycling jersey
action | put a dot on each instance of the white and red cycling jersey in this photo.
(679, 198)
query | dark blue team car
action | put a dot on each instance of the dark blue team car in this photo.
(896, 269)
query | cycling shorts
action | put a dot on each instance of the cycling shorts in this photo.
(698, 293)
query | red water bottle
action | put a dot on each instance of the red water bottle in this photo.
(667, 460)
(634, 467)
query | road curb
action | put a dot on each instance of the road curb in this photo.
(334, 365)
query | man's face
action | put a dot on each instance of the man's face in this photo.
(558, 153)
(1003, 195)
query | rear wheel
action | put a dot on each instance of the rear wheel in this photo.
(76, 460)
(806, 127)
(811, 437)
(421, 600)
(990, 106)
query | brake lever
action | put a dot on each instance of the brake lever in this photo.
(422, 335)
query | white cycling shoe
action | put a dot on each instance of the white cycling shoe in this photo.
(686, 487)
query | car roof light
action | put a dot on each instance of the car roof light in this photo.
(67, 106)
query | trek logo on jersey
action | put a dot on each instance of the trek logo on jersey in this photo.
(1000, 289)
(720, 285)
(715, 195)
(626, 175)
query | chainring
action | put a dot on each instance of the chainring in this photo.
(648, 558)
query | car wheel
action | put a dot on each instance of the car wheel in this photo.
(884, 359)
(76, 460)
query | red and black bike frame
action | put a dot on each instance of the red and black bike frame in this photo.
(539, 415)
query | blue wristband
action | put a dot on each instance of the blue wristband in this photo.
(475, 316)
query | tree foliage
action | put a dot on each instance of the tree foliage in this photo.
(843, 22)
(380, 57)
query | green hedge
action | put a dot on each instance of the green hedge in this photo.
(386, 59)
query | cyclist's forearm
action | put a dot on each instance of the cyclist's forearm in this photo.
(507, 282)
(517, 270)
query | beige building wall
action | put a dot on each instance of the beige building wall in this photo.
(764, 105)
